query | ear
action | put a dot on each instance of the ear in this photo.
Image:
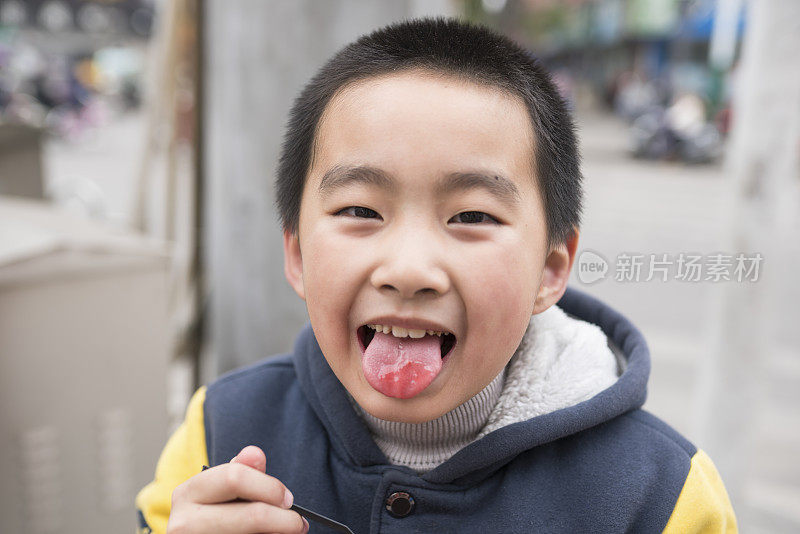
(293, 262)
(557, 267)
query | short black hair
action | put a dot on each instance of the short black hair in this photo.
(463, 50)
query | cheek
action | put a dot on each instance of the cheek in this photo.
(503, 299)
(325, 258)
(324, 277)
(330, 279)
(510, 294)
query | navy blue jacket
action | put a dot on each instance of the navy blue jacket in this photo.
(603, 465)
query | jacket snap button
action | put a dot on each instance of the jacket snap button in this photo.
(400, 504)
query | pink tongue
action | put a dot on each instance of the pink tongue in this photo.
(401, 367)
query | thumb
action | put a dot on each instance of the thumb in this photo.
(252, 456)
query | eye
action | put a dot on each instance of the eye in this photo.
(359, 212)
(473, 217)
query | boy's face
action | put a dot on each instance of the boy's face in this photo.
(421, 207)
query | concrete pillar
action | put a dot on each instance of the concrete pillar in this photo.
(741, 391)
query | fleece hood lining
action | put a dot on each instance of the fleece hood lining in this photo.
(561, 361)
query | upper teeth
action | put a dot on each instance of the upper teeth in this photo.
(398, 331)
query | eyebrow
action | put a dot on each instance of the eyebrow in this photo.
(343, 175)
(495, 184)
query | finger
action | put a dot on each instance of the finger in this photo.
(238, 518)
(253, 457)
(228, 482)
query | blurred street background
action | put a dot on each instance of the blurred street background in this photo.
(140, 254)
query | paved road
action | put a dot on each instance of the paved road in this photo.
(637, 207)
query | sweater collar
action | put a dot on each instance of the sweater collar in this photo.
(423, 446)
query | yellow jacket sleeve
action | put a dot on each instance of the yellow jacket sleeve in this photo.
(703, 505)
(182, 457)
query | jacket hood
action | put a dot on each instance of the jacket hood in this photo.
(478, 460)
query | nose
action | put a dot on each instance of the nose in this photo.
(411, 266)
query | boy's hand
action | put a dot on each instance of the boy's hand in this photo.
(237, 497)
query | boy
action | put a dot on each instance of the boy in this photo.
(430, 194)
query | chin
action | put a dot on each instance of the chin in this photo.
(418, 409)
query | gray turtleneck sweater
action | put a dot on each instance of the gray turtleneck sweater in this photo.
(560, 362)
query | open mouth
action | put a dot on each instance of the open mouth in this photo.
(366, 333)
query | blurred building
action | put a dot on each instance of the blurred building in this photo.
(66, 66)
(661, 45)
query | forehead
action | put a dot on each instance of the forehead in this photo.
(418, 123)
